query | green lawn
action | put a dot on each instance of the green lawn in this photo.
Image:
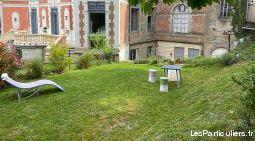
(115, 102)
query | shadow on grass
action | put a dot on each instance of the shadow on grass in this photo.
(12, 94)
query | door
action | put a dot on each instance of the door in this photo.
(193, 53)
(132, 54)
(34, 22)
(54, 21)
(178, 54)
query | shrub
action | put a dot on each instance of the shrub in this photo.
(247, 98)
(245, 51)
(100, 42)
(85, 61)
(9, 61)
(48, 69)
(200, 61)
(155, 60)
(227, 59)
(141, 61)
(35, 69)
(152, 60)
(98, 54)
(97, 62)
(58, 57)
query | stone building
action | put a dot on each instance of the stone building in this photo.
(179, 32)
(250, 17)
(172, 31)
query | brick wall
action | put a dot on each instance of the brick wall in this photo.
(205, 30)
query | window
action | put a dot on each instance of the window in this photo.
(44, 22)
(224, 9)
(134, 19)
(181, 19)
(151, 51)
(133, 54)
(193, 53)
(178, 55)
(15, 20)
(67, 21)
(149, 22)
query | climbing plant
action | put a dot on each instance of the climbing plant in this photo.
(147, 5)
(239, 17)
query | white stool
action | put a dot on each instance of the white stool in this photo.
(163, 84)
(152, 76)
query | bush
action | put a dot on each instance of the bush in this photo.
(85, 61)
(155, 60)
(48, 69)
(247, 98)
(245, 51)
(227, 59)
(58, 57)
(200, 61)
(101, 43)
(152, 60)
(98, 54)
(141, 61)
(35, 69)
(9, 62)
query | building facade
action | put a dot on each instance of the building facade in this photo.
(78, 19)
(172, 31)
(179, 32)
(250, 17)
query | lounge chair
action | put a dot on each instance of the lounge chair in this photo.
(28, 86)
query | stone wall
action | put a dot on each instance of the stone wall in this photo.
(142, 48)
(205, 31)
(215, 28)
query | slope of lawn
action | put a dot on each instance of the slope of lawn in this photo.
(115, 102)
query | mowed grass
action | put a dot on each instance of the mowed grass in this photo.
(115, 102)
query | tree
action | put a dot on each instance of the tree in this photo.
(146, 5)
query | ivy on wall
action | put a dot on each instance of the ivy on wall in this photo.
(239, 17)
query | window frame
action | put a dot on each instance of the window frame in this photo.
(132, 29)
(181, 20)
(224, 9)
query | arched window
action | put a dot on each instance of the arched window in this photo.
(67, 19)
(224, 9)
(252, 2)
(181, 18)
(44, 22)
(15, 20)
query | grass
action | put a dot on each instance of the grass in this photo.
(115, 102)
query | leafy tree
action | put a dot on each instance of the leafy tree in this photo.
(146, 5)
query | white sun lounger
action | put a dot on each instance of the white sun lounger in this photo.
(28, 86)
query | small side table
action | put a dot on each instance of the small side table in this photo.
(177, 70)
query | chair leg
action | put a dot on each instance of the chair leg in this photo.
(19, 94)
(37, 91)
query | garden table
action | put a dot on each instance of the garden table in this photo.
(177, 69)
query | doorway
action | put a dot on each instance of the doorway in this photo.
(97, 22)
